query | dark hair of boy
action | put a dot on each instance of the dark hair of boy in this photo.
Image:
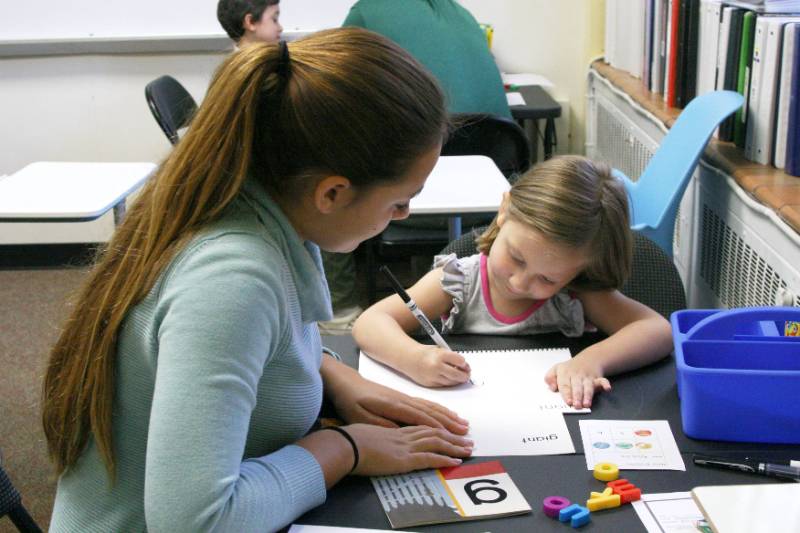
(231, 13)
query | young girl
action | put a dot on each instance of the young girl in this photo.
(553, 259)
(180, 395)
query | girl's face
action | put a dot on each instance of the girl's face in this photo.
(266, 30)
(523, 265)
(372, 210)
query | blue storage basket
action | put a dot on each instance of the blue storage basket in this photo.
(738, 376)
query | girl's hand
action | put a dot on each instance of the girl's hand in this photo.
(577, 380)
(438, 367)
(360, 400)
(384, 451)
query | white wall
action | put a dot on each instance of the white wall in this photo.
(54, 19)
(92, 108)
(555, 38)
(84, 108)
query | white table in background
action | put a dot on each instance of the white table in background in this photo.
(461, 184)
(69, 191)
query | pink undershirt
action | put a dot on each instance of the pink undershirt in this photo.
(487, 298)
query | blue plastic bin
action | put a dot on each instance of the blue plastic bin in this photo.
(738, 376)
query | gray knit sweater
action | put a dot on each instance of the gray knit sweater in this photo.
(217, 375)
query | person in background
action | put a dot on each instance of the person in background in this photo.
(250, 21)
(447, 39)
(183, 389)
(553, 259)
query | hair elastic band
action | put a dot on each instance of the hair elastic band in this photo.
(352, 442)
(283, 58)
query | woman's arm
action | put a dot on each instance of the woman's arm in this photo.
(383, 447)
(637, 336)
(383, 331)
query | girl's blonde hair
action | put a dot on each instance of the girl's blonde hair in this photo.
(342, 102)
(576, 202)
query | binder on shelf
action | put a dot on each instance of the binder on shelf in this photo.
(768, 6)
(692, 45)
(625, 35)
(670, 87)
(759, 142)
(743, 82)
(722, 50)
(793, 135)
(785, 94)
(731, 68)
(660, 19)
(708, 44)
(648, 41)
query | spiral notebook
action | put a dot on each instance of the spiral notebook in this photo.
(510, 408)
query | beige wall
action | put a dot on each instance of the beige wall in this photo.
(555, 38)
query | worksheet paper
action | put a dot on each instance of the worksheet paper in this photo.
(510, 409)
(630, 444)
(515, 98)
(669, 512)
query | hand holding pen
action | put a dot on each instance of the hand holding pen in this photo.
(431, 358)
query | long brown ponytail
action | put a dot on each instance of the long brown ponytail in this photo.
(347, 102)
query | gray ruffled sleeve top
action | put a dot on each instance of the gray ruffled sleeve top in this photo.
(466, 280)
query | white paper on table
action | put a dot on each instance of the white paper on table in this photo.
(525, 78)
(515, 98)
(510, 409)
(630, 444)
(297, 528)
(669, 512)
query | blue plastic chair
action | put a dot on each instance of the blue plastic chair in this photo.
(655, 196)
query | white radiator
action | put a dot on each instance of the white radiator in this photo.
(730, 250)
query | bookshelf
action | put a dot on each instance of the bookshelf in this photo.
(737, 234)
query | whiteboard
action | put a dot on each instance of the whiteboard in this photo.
(82, 19)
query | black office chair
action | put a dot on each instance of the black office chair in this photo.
(171, 104)
(654, 279)
(498, 138)
(11, 506)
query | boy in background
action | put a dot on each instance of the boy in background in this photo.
(250, 21)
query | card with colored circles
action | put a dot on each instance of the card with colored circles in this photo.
(631, 444)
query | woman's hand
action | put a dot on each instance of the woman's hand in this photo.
(438, 367)
(577, 380)
(384, 451)
(360, 400)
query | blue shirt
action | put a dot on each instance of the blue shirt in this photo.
(217, 375)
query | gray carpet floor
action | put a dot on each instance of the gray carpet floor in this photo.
(33, 303)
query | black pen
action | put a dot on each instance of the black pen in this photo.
(750, 467)
(790, 462)
(417, 312)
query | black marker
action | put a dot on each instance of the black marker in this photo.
(764, 469)
(418, 314)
